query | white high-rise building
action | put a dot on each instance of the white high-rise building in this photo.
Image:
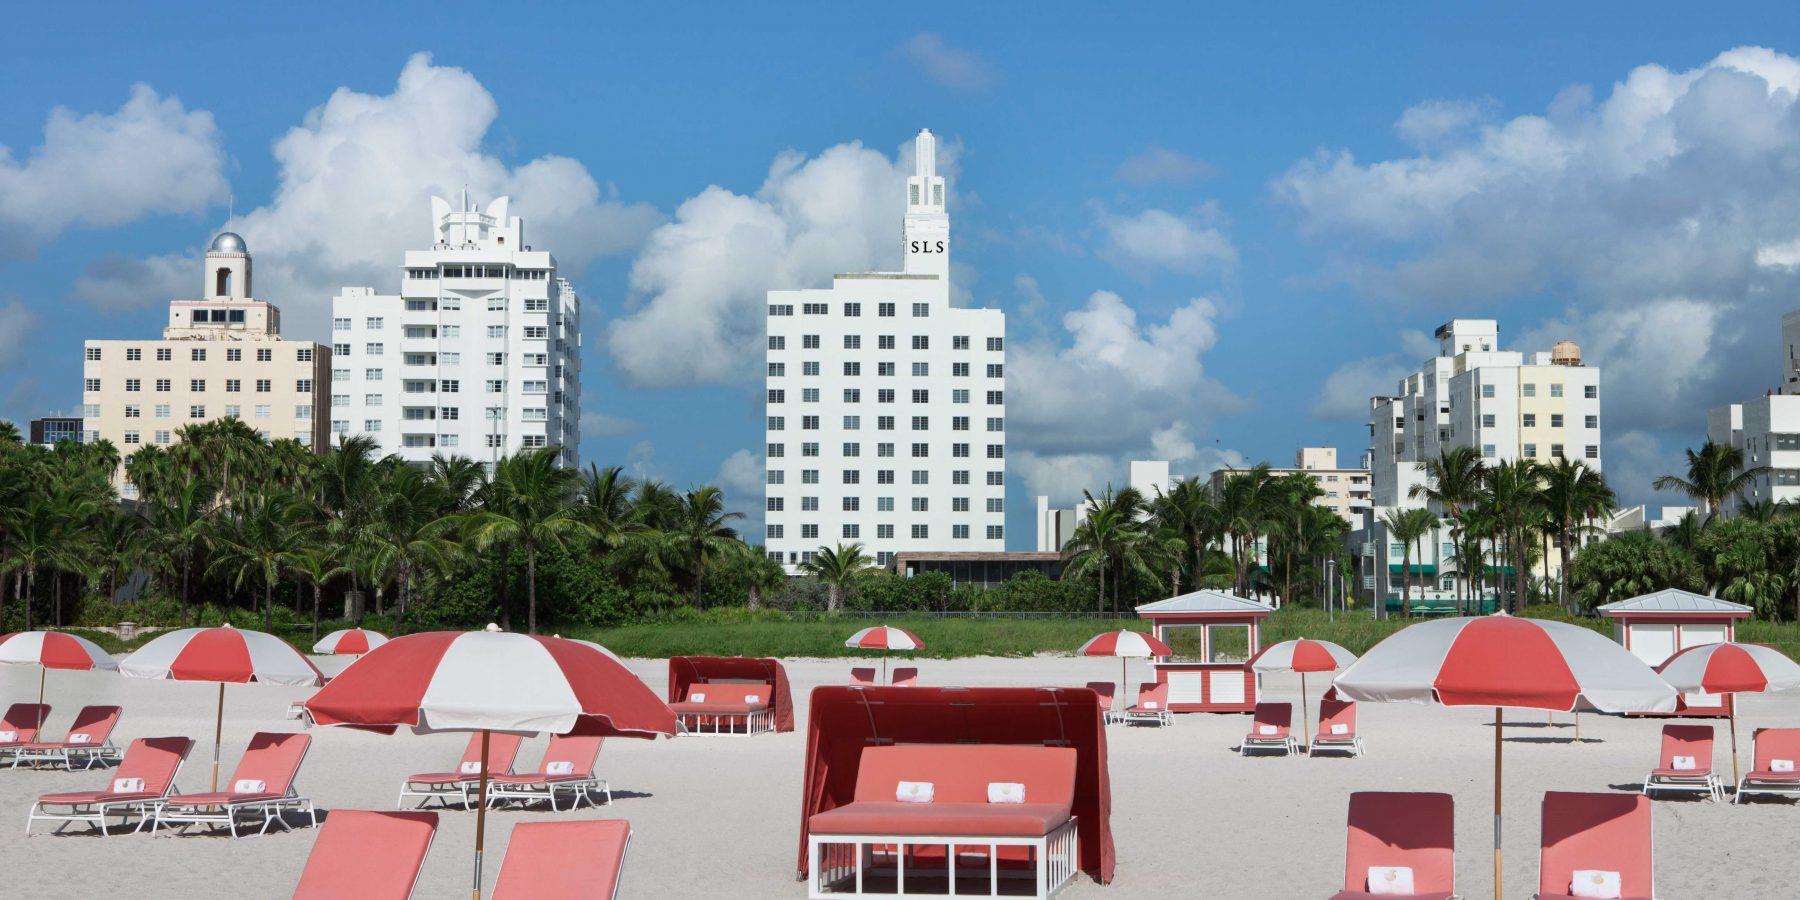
(1767, 430)
(1506, 404)
(886, 405)
(478, 355)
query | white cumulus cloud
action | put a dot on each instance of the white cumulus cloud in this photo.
(1153, 239)
(152, 156)
(700, 284)
(17, 324)
(1160, 165)
(1346, 391)
(353, 191)
(951, 67)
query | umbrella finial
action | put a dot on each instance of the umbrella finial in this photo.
(226, 625)
(491, 628)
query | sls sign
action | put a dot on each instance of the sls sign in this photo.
(925, 247)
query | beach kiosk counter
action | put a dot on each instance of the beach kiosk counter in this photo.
(1213, 635)
(1658, 625)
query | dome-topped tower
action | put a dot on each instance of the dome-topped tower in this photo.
(227, 272)
(228, 242)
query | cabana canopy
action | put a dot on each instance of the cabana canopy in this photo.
(689, 670)
(846, 718)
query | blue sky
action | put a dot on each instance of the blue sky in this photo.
(1269, 208)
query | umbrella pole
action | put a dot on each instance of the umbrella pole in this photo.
(218, 734)
(40, 709)
(1497, 746)
(884, 674)
(1124, 679)
(1305, 728)
(1734, 765)
(481, 811)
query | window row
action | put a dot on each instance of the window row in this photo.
(886, 369)
(885, 395)
(884, 476)
(883, 532)
(882, 423)
(198, 385)
(882, 342)
(882, 504)
(198, 354)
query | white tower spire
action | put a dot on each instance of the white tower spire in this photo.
(927, 231)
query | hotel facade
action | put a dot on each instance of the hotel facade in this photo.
(221, 356)
(477, 355)
(1767, 430)
(886, 406)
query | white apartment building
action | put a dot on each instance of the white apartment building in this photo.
(1506, 404)
(221, 356)
(478, 355)
(1346, 491)
(886, 405)
(1767, 430)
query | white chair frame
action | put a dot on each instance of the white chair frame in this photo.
(1336, 744)
(756, 721)
(1286, 745)
(96, 813)
(1747, 785)
(584, 789)
(461, 789)
(836, 858)
(185, 817)
(1160, 718)
(1708, 783)
(66, 754)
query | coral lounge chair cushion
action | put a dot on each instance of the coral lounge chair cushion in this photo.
(155, 760)
(366, 854)
(93, 725)
(1271, 721)
(272, 760)
(552, 860)
(1774, 745)
(22, 720)
(960, 775)
(579, 752)
(1685, 744)
(1398, 829)
(1153, 697)
(502, 749)
(724, 697)
(1595, 832)
(1335, 712)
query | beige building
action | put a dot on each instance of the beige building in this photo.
(221, 356)
(1347, 491)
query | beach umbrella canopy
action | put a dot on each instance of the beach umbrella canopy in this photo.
(52, 650)
(1731, 668)
(491, 681)
(1302, 656)
(224, 655)
(349, 641)
(884, 638)
(1126, 645)
(1502, 661)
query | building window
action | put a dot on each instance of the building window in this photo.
(996, 344)
(773, 531)
(921, 342)
(852, 395)
(921, 369)
(777, 396)
(1531, 451)
(959, 532)
(90, 384)
(884, 532)
(134, 354)
(1528, 390)
(885, 310)
(921, 310)
(1529, 420)
(1556, 451)
(164, 354)
(921, 532)
(197, 385)
(809, 395)
(960, 476)
(198, 354)
(996, 532)
(781, 309)
(162, 384)
(996, 479)
(233, 354)
(996, 398)
(884, 369)
(1592, 451)
(853, 309)
(1487, 390)
(921, 504)
(1591, 421)
(809, 532)
(921, 451)
(1556, 420)
(303, 385)
(852, 476)
(809, 368)
(1591, 392)
(815, 309)
(132, 385)
(921, 476)
(921, 395)
(1556, 390)
(93, 354)
(1487, 420)
(852, 342)
(996, 505)
(996, 451)
(161, 410)
(777, 342)
(196, 412)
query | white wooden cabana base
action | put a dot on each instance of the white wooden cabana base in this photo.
(839, 865)
(756, 721)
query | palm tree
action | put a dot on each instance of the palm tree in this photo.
(839, 568)
(405, 532)
(179, 523)
(528, 506)
(1190, 510)
(1512, 494)
(605, 497)
(1407, 526)
(255, 539)
(1573, 496)
(317, 562)
(763, 575)
(1452, 482)
(698, 533)
(1111, 538)
(1715, 473)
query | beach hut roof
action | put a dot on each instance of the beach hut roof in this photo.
(1204, 602)
(1671, 600)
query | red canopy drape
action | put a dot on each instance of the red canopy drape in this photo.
(688, 670)
(846, 718)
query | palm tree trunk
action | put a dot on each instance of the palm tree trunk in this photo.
(268, 603)
(531, 589)
(1562, 578)
(316, 592)
(834, 598)
(1406, 580)
(185, 567)
(1100, 604)
(30, 589)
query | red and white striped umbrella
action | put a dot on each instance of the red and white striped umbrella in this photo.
(1731, 668)
(1501, 661)
(885, 637)
(1302, 656)
(1126, 645)
(225, 655)
(1125, 642)
(491, 681)
(52, 650)
(350, 641)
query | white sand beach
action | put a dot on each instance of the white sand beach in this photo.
(718, 817)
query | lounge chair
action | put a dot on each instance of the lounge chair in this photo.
(905, 676)
(1152, 706)
(955, 814)
(863, 675)
(1104, 692)
(568, 766)
(1271, 728)
(1686, 763)
(20, 725)
(1337, 727)
(262, 786)
(557, 860)
(367, 854)
(89, 741)
(461, 784)
(146, 775)
(1602, 840)
(1400, 839)
(1776, 770)
(726, 707)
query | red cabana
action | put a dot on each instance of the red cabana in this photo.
(846, 718)
(690, 670)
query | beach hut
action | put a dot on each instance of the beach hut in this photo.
(688, 673)
(1212, 635)
(1658, 625)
